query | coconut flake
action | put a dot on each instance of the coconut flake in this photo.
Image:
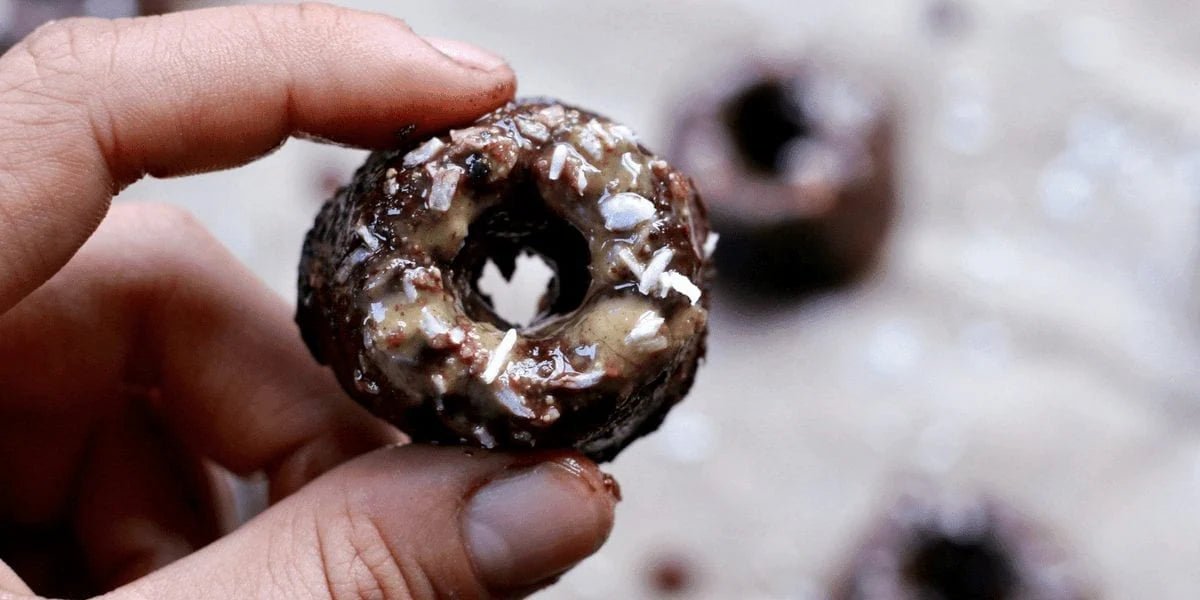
(552, 116)
(378, 312)
(626, 211)
(473, 137)
(624, 133)
(533, 130)
(579, 381)
(646, 327)
(439, 383)
(631, 261)
(581, 182)
(391, 187)
(710, 243)
(424, 152)
(514, 403)
(602, 134)
(650, 278)
(558, 160)
(445, 184)
(674, 280)
(631, 166)
(368, 238)
(431, 325)
(590, 144)
(499, 358)
(410, 290)
(484, 437)
(355, 258)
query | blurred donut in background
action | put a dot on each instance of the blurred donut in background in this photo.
(964, 549)
(795, 161)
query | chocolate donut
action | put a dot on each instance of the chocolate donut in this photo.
(976, 550)
(795, 162)
(389, 296)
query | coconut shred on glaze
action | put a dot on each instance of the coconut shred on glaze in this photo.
(621, 329)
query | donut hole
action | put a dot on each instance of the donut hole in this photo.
(510, 295)
(955, 569)
(764, 119)
(522, 266)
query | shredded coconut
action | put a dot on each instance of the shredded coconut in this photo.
(604, 136)
(533, 130)
(439, 383)
(368, 238)
(469, 136)
(590, 144)
(513, 402)
(484, 437)
(410, 290)
(355, 258)
(552, 116)
(631, 261)
(581, 181)
(624, 133)
(651, 277)
(579, 381)
(674, 280)
(499, 358)
(631, 166)
(391, 187)
(646, 327)
(626, 211)
(378, 312)
(445, 184)
(710, 243)
(431, 325)
(423, 153)
(557, 161)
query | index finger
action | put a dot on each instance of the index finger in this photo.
(88, 106)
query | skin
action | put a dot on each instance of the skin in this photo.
(140, 363)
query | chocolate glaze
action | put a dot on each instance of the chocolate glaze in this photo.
(388, 295)
(796, 163)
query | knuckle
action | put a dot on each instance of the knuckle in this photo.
(357, 562)
(66, 47)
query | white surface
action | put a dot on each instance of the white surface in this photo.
(1031, 334)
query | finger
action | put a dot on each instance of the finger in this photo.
(153, 301)
(406, 522)
(11, 584)
(88, 106)
(148, 504)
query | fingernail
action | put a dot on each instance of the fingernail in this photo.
(467, 55)
(536, 523)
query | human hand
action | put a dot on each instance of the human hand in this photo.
(152, 357)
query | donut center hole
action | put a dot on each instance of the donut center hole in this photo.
(763, 121)
(521, 266)
(951, 569)
(517, 298)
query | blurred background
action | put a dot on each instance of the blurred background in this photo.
(1028, 334)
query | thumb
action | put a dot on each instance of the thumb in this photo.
(407, 522)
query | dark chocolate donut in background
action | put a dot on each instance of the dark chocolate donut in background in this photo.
(977, 550)
(389, 296)
(796, 164)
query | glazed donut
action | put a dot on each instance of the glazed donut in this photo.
(389, 297)
(795, 161)
(975, 549)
